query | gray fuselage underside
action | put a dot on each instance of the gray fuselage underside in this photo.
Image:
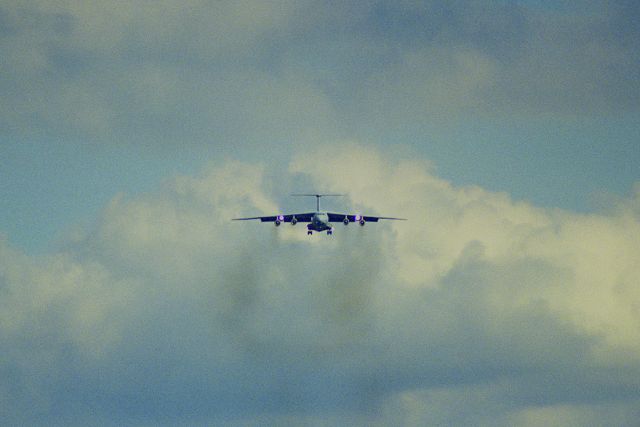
(319, 222)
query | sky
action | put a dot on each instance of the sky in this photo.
(506, 132)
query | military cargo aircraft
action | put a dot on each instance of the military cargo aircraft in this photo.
(319, 221)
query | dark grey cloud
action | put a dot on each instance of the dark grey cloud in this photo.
(249, 71)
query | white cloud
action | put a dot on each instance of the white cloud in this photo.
(597, 253)
(517, 310)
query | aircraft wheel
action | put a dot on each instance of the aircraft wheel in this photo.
(309, 232)
(329, 233)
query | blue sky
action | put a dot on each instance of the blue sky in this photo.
(506, 131)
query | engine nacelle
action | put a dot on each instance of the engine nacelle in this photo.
(277, 222)
(362, 221)
(294, 221)
(345, 221)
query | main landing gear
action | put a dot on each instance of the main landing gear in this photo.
(329, 232)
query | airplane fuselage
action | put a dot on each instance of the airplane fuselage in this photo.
(319, 222)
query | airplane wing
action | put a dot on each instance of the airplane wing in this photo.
(301, 217)
(337, 217)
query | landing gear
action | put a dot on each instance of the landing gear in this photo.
(309, 233)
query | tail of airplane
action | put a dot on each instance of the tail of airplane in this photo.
(317, 196)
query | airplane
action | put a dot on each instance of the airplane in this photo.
(318, 221)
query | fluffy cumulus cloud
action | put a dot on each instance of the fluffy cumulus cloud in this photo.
(477, 311)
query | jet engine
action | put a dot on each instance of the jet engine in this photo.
(345, 221)
(361, 221)
(279, 220)
(277, 223)
(294, 221)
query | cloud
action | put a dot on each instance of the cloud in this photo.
(165, 311)
(242, 72)
(156, 73)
